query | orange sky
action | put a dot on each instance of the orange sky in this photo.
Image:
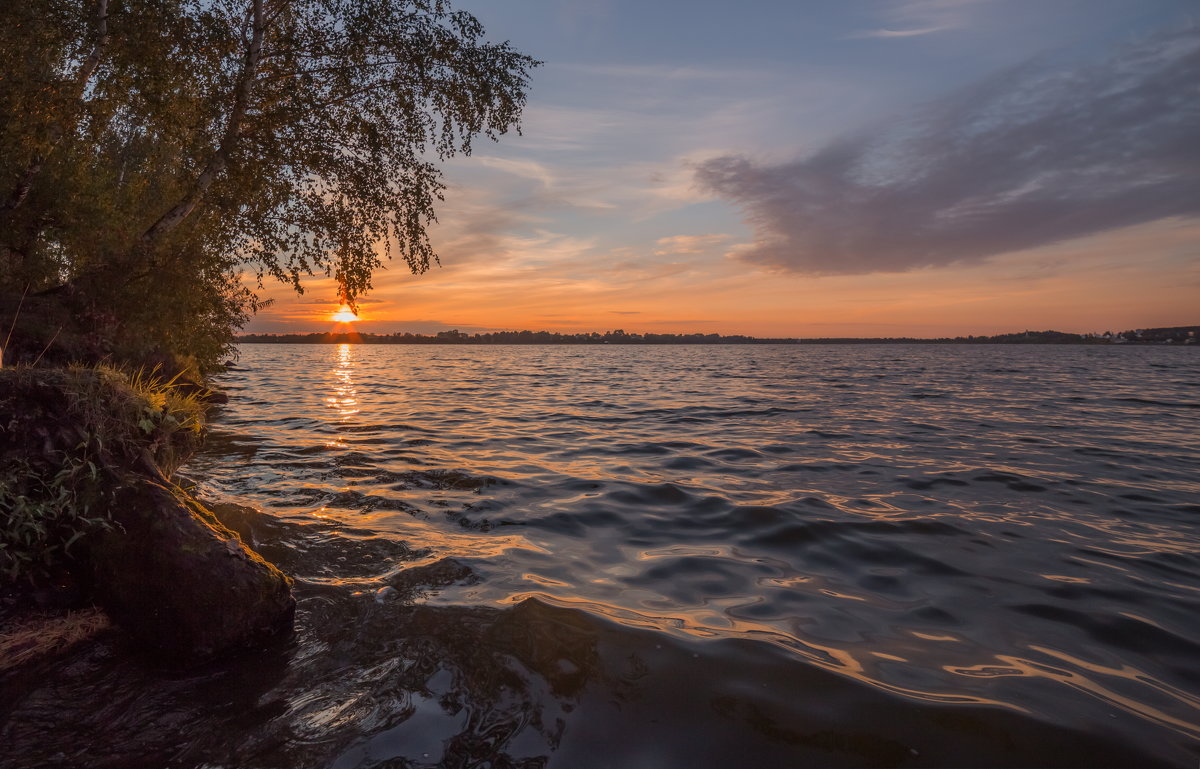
(972, 173)
(1144, 276)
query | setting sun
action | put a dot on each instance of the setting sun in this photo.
(805, 385)
(344, 315)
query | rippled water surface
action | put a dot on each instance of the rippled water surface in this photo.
(770, 556)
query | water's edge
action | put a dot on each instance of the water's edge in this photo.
(860, 556)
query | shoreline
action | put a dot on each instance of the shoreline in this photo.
(1173, 335)
(97, 520)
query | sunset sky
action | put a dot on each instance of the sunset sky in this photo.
(914, 167)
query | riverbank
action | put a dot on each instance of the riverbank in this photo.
(94, 519)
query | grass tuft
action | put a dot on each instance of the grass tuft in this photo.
(68, 438)
(40, 635)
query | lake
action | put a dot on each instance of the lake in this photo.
(689, 556)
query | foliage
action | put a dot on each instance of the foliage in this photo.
(165, 145)
(71, 437)
(170, 417)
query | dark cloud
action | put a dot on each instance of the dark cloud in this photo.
(1028, 157)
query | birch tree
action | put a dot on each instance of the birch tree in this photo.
(166, 144)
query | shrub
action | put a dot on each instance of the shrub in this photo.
(68, 438)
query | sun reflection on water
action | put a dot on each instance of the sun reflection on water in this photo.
(344, 399)
(1070, 675)
(866, 556)
(717, 624)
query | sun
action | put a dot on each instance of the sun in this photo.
(344, 315)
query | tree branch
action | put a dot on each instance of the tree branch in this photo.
(219, 161)
(58, 129)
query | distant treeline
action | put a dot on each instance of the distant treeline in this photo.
(1178, 334)
(507, 337)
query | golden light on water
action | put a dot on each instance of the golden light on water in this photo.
(344, 398)
(344, 315)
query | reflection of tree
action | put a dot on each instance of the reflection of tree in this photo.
(104, 708)
(365, 663)
(544, 637)
(866, 748)
(357, 668)
(488, 670)
(370, 684)
(481, 646)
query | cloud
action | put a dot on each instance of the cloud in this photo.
(526, 169)
(660, 72)
(886, 33)
(1028, 157)
(921, 17)
(687, 244)
(330, 300)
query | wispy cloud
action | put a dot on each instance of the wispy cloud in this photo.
(886, 33)
(688, 244)
(525, 169)
(915, 18)
(667, 72)
(330, 300)
(1026, 158)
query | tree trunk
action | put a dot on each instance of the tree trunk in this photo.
(219, 161)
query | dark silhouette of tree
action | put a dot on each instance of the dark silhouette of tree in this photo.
(157, 147)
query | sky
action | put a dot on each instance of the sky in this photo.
(815, 169)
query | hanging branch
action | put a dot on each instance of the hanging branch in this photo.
(59, 129)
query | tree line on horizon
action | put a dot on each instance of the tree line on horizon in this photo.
(1177, 334)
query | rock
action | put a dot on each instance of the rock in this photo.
(236, 517)
(85, 452)
(216, 397)
(180, 582)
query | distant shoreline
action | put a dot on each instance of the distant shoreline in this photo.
(1180, 335)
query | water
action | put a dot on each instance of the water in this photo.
(688, 557)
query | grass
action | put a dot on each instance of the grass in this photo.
(36, 636)
(164, 410)
(68, 438)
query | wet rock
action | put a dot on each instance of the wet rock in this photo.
(215, 397)
(180, 582)
(235, 517)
